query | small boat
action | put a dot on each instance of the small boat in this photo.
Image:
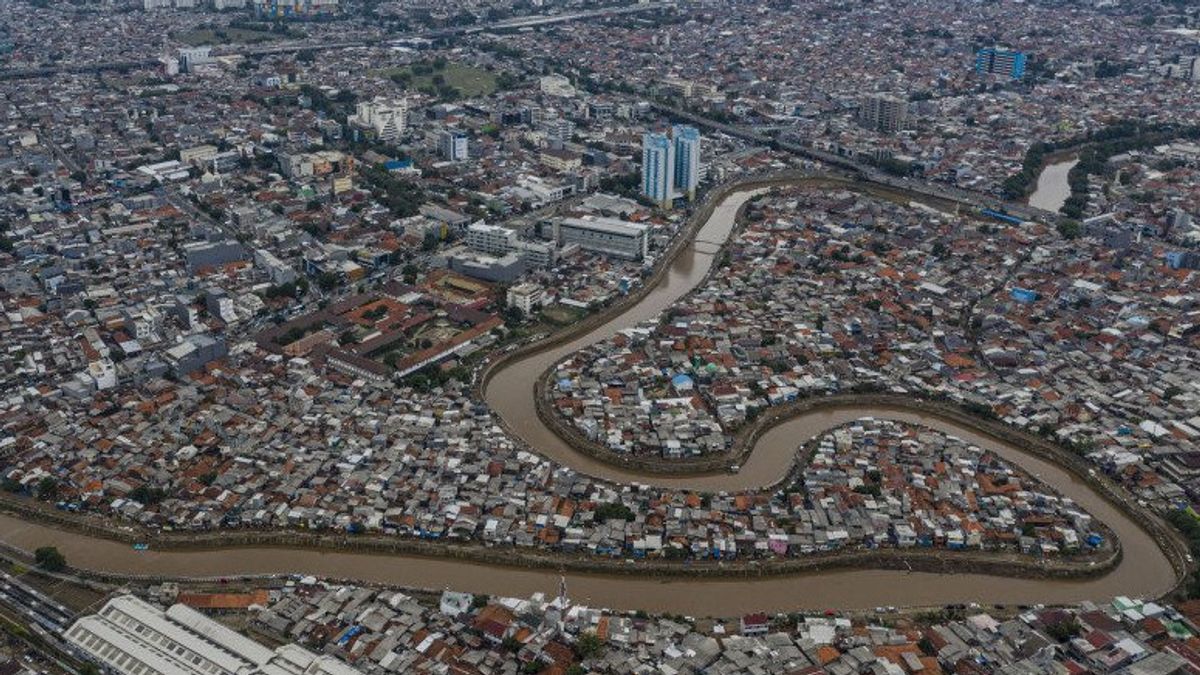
(141, 547)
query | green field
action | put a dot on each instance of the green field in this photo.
(468, 80)
(562, 315)
(222, 36)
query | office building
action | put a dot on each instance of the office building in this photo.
(658, 168)
(502, 269)
(193, 353)
(452, 145)
(609, 236)
(1002, 62)
(495, 240)
(193, 58)
(491, 239)
(381, 118)
(132, 637)
(202, 256)
(527, 297)
(887, 114)
(687, 159)
(561, 160)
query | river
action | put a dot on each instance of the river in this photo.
(1144, 570)
(1053, 189)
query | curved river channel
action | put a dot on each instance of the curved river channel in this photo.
(1144, 570)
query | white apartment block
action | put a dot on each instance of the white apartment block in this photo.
(386, 118)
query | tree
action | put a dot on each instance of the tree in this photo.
(47, 488)
(513, 315)
(430, 242)
(50, 559)
(613, 511)
(1063, 630)
(588, 645)
(144, 494)
(1069, 228)
(327, 281)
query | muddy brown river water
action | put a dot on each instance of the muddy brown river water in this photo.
(1144, 570)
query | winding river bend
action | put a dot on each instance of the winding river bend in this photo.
(1053, 187)
(1143, 571)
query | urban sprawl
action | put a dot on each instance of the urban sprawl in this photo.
(261, 259)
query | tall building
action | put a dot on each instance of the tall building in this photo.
(386, 119)
(658, 168)
(191, 58)
(1003, 62)
(452, 145)
(883, 113)
(687, 159)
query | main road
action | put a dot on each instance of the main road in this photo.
(1143, 571)
(515, 23)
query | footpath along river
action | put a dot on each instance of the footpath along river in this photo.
(1144, 570)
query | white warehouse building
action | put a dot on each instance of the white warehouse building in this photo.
(132, 637)
(609, 236)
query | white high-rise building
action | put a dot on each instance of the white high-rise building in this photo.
(887, 114)
(452, 144)
(386, 118)
(491, 239)
(192, 58)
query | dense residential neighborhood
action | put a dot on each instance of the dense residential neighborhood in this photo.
(898, 298)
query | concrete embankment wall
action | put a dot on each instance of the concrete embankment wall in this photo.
(918, 560)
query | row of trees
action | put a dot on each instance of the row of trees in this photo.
(402, 197)
(1126, 137)
(1097, 147)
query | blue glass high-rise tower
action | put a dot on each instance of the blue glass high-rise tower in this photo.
(658, 168)
(996, 61)
(687, 159)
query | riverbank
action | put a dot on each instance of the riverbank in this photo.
(1138, 564)
(914, 559)
(1053, 183)
(779, 431)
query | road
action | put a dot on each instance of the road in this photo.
(506, 24)
(862, 170)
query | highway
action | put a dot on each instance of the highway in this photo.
(862, 170)
(506, 24)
